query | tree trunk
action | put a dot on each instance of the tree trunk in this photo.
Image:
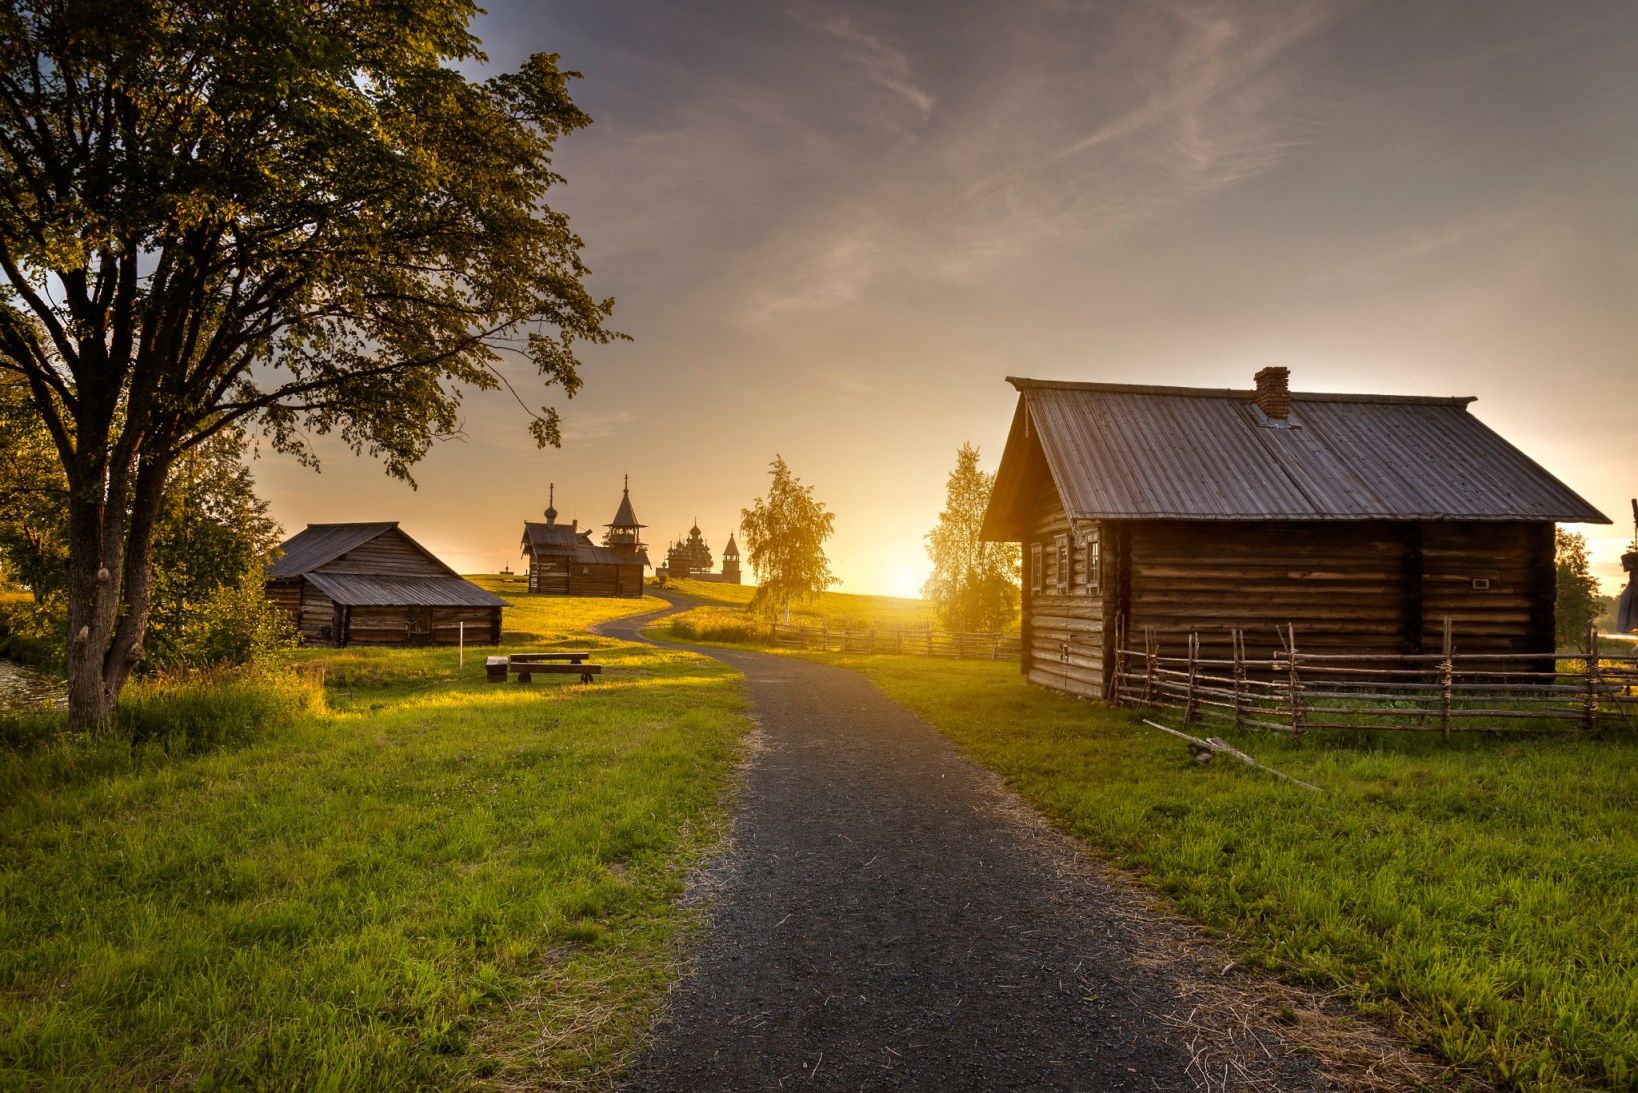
(787, 610)
(109, 590)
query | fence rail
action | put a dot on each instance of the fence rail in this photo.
(910, 642)
(1293, 691)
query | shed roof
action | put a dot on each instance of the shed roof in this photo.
(373, 590)
(545, 536)
(1122, 451)
(319, 543)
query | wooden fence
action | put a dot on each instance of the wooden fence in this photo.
(1443, 692)
(909, 642)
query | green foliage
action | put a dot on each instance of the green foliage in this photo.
(304, 217)
(974, 584)
(1478, 893)
(235, 625)
(213, 543)
(33, 497)
(431, 882)
(716, 625)
(785, 535)
(1578, 604)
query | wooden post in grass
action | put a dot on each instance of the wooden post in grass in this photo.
(1447, 681)
(1589, 709)
(1151, 649)
(462, 645)
(1295, 682)
(1116, 692)
(1237, 640)
(1188, 695)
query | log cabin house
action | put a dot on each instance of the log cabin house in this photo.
(371, 584)
(1364, 521)
(563, 560)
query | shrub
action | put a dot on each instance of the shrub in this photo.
(158, 718)
(236, 625)
(727, 627)
(32, 633)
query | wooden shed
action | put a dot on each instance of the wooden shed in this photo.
(563, 560)
(371, 584)
(1362, 520)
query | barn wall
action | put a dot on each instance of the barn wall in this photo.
(1514, 613)
(1063, 632)
(392, 553)
(286, 596)
(1354, 587)
(1341, 584)
(318, 616)
(559, 576)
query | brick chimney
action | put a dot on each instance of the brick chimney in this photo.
(1274, 393)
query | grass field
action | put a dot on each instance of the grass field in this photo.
(421, 881)
(1482, 895)
(838, 609)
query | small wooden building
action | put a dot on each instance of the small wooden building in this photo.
(1362, 520)
(563, 560)
(371, 584)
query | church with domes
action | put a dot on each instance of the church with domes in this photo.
(691, 558)
(563, 560)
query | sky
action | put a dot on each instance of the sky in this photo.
(833, 229)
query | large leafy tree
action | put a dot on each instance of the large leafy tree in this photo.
(974, 584)
(1578, 603)
(299, 215)
(785, 535)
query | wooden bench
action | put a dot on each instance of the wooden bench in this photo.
(526, 665)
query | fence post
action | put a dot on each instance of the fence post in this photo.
(1151, 650)
(1188, 695)
(1295, 683)
(995, 645)
(1589, 712)
(1236, 639)
(1447, 682)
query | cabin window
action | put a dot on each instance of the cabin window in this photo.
(1035, 576)
(1094, 563)
(1061, 578)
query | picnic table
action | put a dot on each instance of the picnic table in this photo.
(526, 665)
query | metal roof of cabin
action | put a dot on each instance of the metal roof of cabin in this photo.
(566, 536)
(1122, 451)
(375, 590)
(320, 543)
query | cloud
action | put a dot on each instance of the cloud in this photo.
(886, 66)
(586, 428)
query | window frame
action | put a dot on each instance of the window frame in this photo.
(1037, 574)
(1063, 579)
(1094, 562)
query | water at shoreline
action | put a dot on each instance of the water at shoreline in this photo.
(23, 688)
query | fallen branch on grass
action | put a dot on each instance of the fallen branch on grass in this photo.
(1214, 746)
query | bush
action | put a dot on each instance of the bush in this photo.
(32, 633)
(726, 627)
(236, 625)
(158, 718)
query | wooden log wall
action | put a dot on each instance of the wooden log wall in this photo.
(381, 625)
(1341, 584)
(1514, 564)
(1063, 634)
(578, 579)
(318, 616)
(286, 596)
(390, 554)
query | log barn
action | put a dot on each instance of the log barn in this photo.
(563, 560)
(371, 584)
(1364, 521)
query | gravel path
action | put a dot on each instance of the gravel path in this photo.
(888, 915)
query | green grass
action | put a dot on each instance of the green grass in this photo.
(1482, 894)
(839, 609)
(426, 881)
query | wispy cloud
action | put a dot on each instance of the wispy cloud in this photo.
(585, 428)
(885, 65)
